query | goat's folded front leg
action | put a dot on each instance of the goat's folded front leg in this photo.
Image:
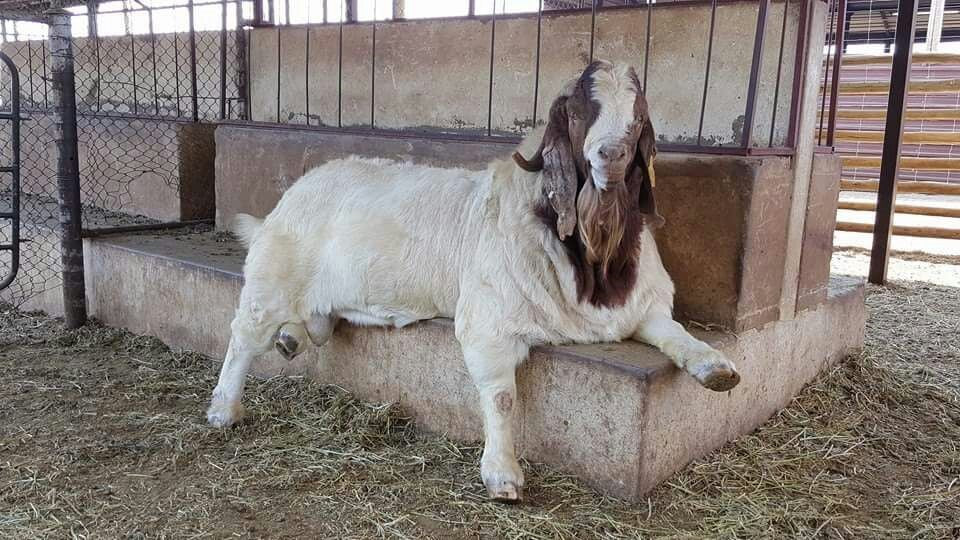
(492, 367)
(707, 365)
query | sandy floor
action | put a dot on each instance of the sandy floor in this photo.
(102, 436)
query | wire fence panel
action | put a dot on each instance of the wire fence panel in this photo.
(151, 83)
(39, 272)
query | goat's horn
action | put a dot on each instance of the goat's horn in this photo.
(534, 165)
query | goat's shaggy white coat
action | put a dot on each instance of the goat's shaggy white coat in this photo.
(378, 242)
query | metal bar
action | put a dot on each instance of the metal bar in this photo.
(373, 66)
(471, 8)
(896, 107)
(286, 8)
(43, 50)
(124, 229)
(68, 170)
(133, 75)
(536, 76)
(646, 49)
(243, 55)
(776, 86)
(279, 87)
(223, 59)
(153, 59)
(193, 63)
(340, 74)
(593, 25)
(826, 75)
(306, 73)
(799, 69)
(493, 37)
(837, 62)
(176, 71)
(96, 49)
(758, 42)
(14, 169)
(706, 75)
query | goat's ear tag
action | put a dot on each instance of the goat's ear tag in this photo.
(651, 174)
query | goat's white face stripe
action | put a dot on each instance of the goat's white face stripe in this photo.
(614, 90)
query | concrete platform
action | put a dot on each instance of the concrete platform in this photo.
(618, 416)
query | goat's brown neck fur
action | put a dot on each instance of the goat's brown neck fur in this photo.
(604, 247)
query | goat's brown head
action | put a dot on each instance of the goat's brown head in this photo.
(597, 160)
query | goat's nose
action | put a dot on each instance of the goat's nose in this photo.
(613, 152)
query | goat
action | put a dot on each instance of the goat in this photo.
(553, 249)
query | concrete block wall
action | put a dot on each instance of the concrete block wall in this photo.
(434, 74)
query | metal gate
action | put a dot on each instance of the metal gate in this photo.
(10, 172)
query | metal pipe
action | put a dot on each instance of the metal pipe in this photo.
(706, 75)
(68, 170)
(223, 59)
(593, 26)
(758, 41)
(799, 72)
(493, 38)
(837, 62)
(890, 162)
(193, 64)
(776, 86)
(646, 48)
(826, 75)
(536, 76)
(14, 171)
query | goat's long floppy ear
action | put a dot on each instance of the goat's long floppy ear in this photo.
(646, 153)
(555, 159)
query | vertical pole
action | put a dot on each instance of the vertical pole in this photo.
(91, 18)
(706, 74)
(68, 168)
(890, 162)
(193, 63)
(399, 6)
(837, 61)
(536, 79)
(242, 69)
(935, 25)
(223, 59)
(493, 39)
(755, 65)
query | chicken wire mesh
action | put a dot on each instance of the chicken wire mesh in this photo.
(136, 90)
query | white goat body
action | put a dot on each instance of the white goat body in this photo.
(378, 242)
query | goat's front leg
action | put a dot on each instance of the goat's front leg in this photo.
(707, 365)
(493, 369)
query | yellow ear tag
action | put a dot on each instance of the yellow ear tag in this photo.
(653, 175)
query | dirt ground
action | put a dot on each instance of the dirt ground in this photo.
(102, 436)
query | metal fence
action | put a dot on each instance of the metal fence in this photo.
(140, 92)
(151, 75)
(770, 54)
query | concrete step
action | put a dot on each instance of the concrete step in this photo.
(619, 416)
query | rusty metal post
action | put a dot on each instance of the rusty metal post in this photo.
(68, 167)
(838, 46)
(892, 139)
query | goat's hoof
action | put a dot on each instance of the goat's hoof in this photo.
(506, 492)
(503, 479)
(719, 378)
(287, 345)
(222, 414)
